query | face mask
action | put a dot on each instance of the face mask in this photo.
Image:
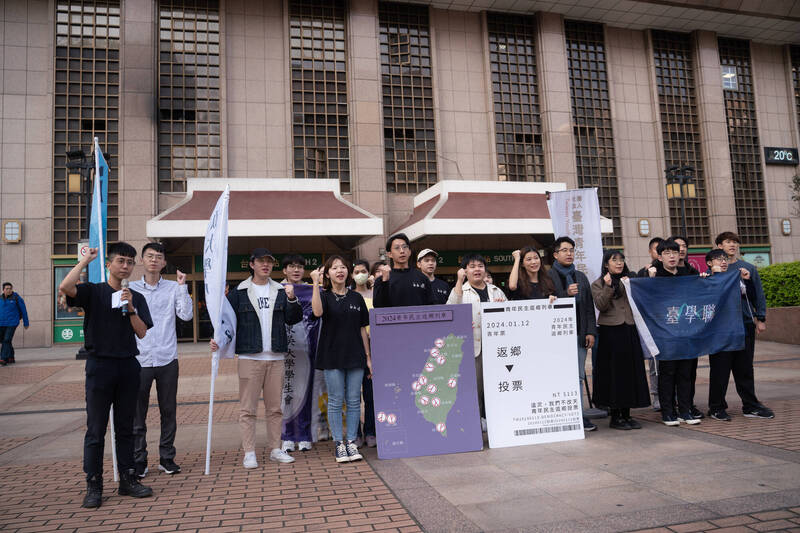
(361, 278)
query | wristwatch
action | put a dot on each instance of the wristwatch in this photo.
(134, 312)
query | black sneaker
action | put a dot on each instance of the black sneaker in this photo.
(168, 466)
(670, 420)
(340, 452)
(633, 423)
(758, 412)
(141, 470)
(687, 418)
(352, 451)
(588, 425)
(720, 415)
(696, 412)
(129, 485)
(94, 493)
(619, 423)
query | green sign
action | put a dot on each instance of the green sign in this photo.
(241, 263)
(68, 333)
(449, 258)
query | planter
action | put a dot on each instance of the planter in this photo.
(782, 325)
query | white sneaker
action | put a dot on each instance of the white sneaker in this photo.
(303, 446)
(250, 460)
(483, 425)
(280, 456)
(287, 446)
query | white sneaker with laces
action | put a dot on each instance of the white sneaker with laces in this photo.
(280, 456)
(287, 446)
(304, 446)
(250, 460)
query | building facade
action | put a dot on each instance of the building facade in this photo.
(389, 99)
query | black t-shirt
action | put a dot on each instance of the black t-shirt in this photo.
(340, 345)
(483, 293)
(536, 293)
(406, 287)
(106, 332)
(441, 291)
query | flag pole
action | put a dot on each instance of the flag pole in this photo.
(214, 370)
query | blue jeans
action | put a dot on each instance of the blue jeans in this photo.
(6, 334)
(344, 385)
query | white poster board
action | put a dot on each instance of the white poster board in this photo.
(530, 372)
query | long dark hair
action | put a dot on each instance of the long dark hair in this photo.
(615, 284)
(326, 282)
(524, 284)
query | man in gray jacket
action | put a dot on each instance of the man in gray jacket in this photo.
(572, 283)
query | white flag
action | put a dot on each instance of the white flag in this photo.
(215, 271)
(576, 214)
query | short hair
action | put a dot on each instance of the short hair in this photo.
(402, 236)
(470, 257)
(668, 244)
(326, 282)
(156, 247)
(7, 284)
(375, 266)
(120, 248)
(727, 236)
(557, 244)
(362, 262)
(715, 254)
(654, 240)
(681, 237)
(293, 259)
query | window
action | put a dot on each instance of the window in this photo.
(409, 135)
(591, 119)
(729, 78)
(744, 144)
(680, 130)
(319, 90)
(86, 105)
(515, 89)
(188, 92)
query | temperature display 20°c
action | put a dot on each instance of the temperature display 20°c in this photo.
(780, 156)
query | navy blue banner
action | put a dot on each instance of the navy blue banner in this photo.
(688, 316)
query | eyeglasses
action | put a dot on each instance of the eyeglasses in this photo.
(295, 266)
(400, 248)
(566, 250)
(153, 257)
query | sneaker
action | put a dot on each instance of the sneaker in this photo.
(340, 452)
(304, 446)
(687, 418)
(352, 451)
(483, 425)
(287, 446)
(168, 466)
(633, 423)
(94, 493)
(669, 420)
(359, 442)
(250, 460)
(720, 415)
(696, 412)
(3, 362)
(129, 485)
(141, 469)
(588, 425)
(280, 456)
(758, 412)
(371, 441)
(619, 423)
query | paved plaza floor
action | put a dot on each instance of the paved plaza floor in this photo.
(742, 475)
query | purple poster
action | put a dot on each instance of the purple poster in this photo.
(426, 395)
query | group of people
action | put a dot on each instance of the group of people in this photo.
(131, 341)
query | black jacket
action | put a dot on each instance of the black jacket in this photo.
(584, 304)
(248, 325)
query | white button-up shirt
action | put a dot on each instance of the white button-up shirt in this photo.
(167, 298)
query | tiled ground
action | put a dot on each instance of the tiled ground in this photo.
(780, 520)
(313, 494)
(22, 374)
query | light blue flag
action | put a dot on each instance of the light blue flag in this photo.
(98, 225)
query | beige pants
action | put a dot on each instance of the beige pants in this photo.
(255, 377)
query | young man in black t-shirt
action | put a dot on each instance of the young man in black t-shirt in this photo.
(401, 285)
(112, 371)
(426, 263)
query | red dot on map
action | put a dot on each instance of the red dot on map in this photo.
(434, 352)
(422, 380)
(428, 367)
(424, 400)
(436, 402)
(381, 417)
(416, 385)
(452, 383)
(438, 343)
(441, 360)
(391, 419)
(432, 388)
(440, 427)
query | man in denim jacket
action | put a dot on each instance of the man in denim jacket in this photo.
(263, 309)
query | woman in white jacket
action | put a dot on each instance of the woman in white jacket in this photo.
(471, 288)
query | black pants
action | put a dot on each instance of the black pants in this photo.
(6, 336)
(740, 362)
(369, 407)
(166, 378)
(674, 379)
(109, 382)
(693, 380)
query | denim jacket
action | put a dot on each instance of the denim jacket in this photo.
(248, 326)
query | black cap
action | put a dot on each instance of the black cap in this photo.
(261, 252)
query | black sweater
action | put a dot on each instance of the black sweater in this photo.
(405, 287)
